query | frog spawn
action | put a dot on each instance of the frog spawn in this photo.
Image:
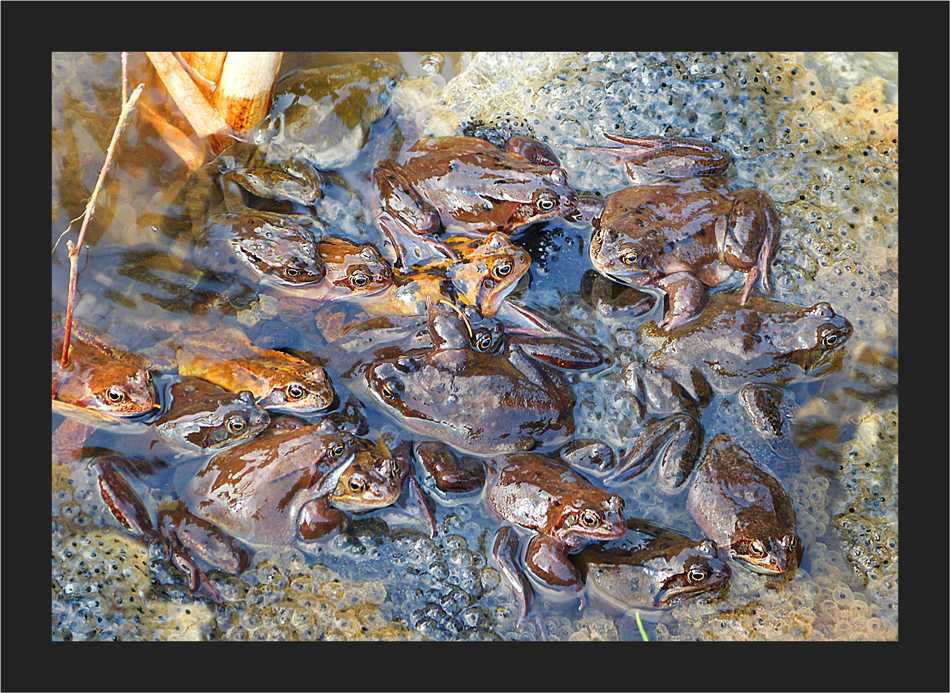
(793, 494)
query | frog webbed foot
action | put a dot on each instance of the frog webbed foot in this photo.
(676, 440)
(587, 455)
(771, 410)
(613, 300)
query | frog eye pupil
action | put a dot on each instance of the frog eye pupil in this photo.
(356, 485)
(757, 549)
(830, 340)
(696, 575)
(630, 258)
(360, 279)
(546, 203)
(236, 425)
(115, 395)
(295, 391)
(336, 450)
(292, 272)
(503, 269)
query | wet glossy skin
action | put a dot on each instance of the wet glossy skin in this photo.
(546, 496)
(278, 381)
(557, 507)
(744, 509)
(277, 252)
(483, 272)
(323, 115)
(291, 481)
(467, 185)
(651, 568)
(353, 270)
(477, 402)
(99, 377)
(203, 417)
(764, 341)
(688, 231)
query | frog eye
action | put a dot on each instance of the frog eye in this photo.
(696, 574)
(630, 258)
(236, 425)
(502, 269)
(590, 519)
(546, 203)
(390, 389)
(296, 391)
(757, 549)
(829, 340)
(356, 484)
(336, 450)
(291, 272)
(115, 395)
(360, 279)
(483, 342)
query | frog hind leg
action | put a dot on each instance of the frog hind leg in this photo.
(188, 535)
(686, 297)
(749, 239)
(318, 519)
(675, 440)
(648, 158)
(504, 556)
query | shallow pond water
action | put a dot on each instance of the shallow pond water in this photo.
(817, 132)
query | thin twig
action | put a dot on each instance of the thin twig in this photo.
(74, 250)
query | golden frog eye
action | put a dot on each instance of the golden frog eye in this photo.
(115, 395)
(757, 549)
(296, 391)
(696, 574)
(829, 340)
(546, 203)
(483, 342)
(360, 279)
(336, 450)
(389, 391)
(502, 269)
(292, 272)
(356, 484)
(590, 519)
(236, 425)
(630, 258)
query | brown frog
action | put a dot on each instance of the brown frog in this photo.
(685, 230)
(278, 381)
(201, 417)
(323, 115)
(467, 186)
(101, 382)
(557, 506)
(744, 509)
(477, 402)
(482, 273)
(651, 569)
(294, 480)
(755, 347)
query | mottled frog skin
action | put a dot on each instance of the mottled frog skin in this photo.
(687, 230)
(201, 417)
(323, 115)
(652, 568)
(744, 509)
(99, 378)
(477, 402)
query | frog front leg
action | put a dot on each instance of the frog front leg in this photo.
(612, 300)
(748, 240)
(318, 519)
(686, 297)
(651, 157)
(546, 559)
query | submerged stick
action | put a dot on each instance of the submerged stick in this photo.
(74, 250)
